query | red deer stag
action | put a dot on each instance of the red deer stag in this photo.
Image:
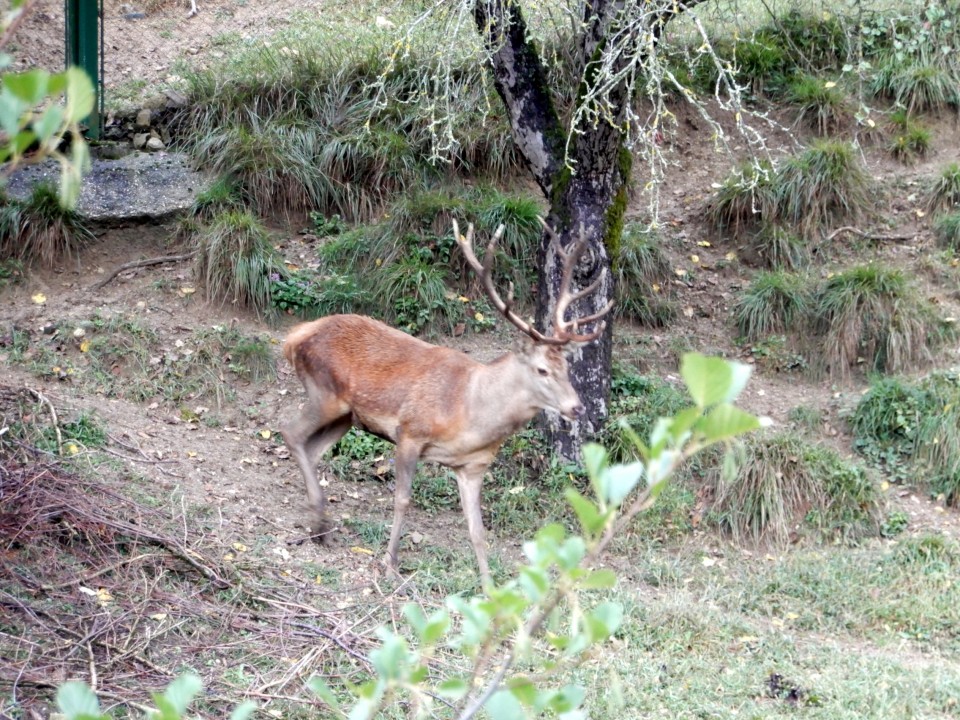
(434, 403)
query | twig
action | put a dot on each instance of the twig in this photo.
(98, 573)
(93, 668)
(141, 263)
(53, 415)
(332, 638)
(12, 28)
(869, 236)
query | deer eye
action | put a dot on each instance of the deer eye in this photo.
(543, 371)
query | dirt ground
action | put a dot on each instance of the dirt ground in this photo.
(250, 483)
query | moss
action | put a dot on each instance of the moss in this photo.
(617, 211)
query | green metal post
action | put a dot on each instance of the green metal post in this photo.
(84, 49)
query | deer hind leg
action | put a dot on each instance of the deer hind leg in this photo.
(307, 438)
(469, 482)
(404, 468)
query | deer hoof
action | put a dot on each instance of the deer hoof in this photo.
(320, 530)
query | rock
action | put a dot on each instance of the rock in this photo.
(140, 140)
(143, 119)
(155, 144)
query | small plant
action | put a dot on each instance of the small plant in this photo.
(774, 303)
(309, 294)
(871, 315)
(911, 139)
(745, 199)
(323, 226)
(779, 249)
(39, 229)
(413, 290)
(916, 84)
(235, 260)
(642, 275)
(820, 102)
(823, 185)
(11, 272)
(894, 524)
(947, 229)
(945, 193)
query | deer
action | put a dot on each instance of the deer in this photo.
(433, 403)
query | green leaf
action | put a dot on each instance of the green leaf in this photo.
(571, 552)
(167, 710)
(534, 582)
(11, 112)
(587, 513)
(320, 688)
(594, 460)
(712, 380)
(436, 627)
(453, 689)
(599, 580)
(80, 95)
(182, 690)
(244, 710)
(414, 615)
(726, 421)
(48, 123)
(618, 481)
(604, 620)
(391, 657)
(502, 705)
(76, 700)
(30, 86)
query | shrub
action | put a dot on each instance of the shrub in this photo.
(38, 229)
(642, 276)
(916, 84)
(871, 314)
(911, 139)
(235, 260)
(311, 295)
(823, 185)
(774, 303)
(778, 482)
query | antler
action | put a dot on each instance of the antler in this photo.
(564, 331)
(562, 327)
(483, 271)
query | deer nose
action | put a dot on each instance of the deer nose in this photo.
(578, 410)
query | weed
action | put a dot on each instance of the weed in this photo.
(309, 294)
(894, 524)
(11, 272)
(433, 493)
(911, 143)
(642, 275)
(637, 401)
(820, 102)
(775, 353)
(414, 292)
(774, 303)
(235, 261)
(823, 185)
(870, 314)
(805, 417)
(323, 226)
(917, 85)
(371, 533)
(39, 229)
(945, 192)
(947, 228)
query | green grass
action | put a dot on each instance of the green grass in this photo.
(782, 484)
(38, 230)
(822, 186)
(779, 249)
(820, 103)
(775, 302)
(944, 193)
(872, 315)
(235, 260)
(744, 200)
(643, 276)
(947, 229)
(917, 85)
(912, 430)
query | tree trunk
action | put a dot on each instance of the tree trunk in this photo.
(585, 182)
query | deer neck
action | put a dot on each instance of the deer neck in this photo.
(501, 398)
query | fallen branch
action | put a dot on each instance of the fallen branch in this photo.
(869, 236)
(142, 263)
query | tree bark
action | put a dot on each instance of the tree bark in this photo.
(585, 181)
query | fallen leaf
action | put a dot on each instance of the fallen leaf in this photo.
(187, 290)
(361, 550)
(39, 298)
(84, 346)
(239, 547)
(265, 434)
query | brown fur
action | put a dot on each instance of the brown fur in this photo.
(434, 403)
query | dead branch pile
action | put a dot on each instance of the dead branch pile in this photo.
(97, 587)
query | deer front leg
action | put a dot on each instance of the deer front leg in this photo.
(405, 466)
(469, 482)
(307, 439)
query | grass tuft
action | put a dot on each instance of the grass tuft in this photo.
(872, 315)
(778, 249)
(820, 103)
(945, 192)
(643, 277)
(745, 199)
(779, 483)
(823, 185)
(235, 260)
(947, 229)
(774, 303)
(39, 230)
